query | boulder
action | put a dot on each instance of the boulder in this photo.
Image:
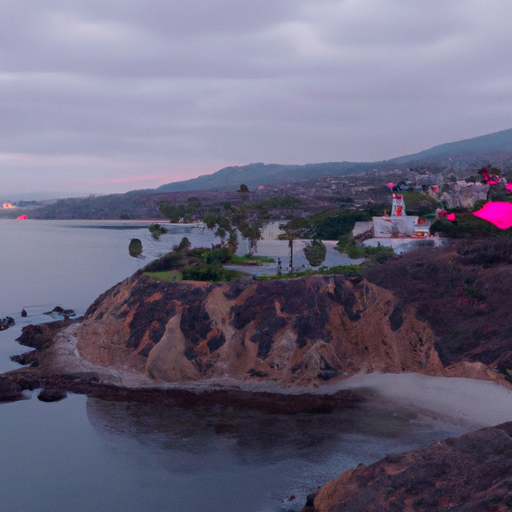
(6, 322)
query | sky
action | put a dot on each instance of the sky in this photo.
(101, 97)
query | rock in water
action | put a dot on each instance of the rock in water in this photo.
(6, 322)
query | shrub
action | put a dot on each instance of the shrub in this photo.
(418, 203)
(213, 272)
(169, 261)
(135, 248)
(204, 272)
(487, 253)
(222, 255)
(157, 230)
(315, 252)
(183, 246)
(331, 228)
(374, 255)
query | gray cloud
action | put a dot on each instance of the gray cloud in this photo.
(109, 96)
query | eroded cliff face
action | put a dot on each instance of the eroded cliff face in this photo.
(288, 330)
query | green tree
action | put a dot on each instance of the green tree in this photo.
(315, 252)
(135, 248)
(296, 227)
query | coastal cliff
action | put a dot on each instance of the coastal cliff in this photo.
(468, 474)
(296, 330)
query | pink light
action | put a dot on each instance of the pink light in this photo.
(21, 217)
(451, 217)
(497, 213)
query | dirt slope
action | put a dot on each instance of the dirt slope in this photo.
(289, 330)
(464, 292)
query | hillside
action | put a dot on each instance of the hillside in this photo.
(463, 292)
(315, 185)
(254, 175)
(469, 474)
(494, 148)
(295, 330)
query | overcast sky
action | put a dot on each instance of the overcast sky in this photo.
(104, 96)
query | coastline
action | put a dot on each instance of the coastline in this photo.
(60, 369)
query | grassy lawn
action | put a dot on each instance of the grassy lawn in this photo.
(166, 275)
(340, 269)
(174, 275)
(240, 260)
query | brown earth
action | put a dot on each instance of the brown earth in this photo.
(463, 291)
(472, 473)
(296, 330)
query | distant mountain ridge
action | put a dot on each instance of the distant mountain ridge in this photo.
(483, 145)
(257, 174)
(494, 148)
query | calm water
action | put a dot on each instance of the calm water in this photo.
(85, 454)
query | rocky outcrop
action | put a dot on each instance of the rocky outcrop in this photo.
(462, 195)
(295, 330)
(469, 474)
(55, 386)
(41, 336)
(6, 322)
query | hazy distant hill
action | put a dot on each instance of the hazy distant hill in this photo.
(495, 149)
(496, 145)
(254, 175)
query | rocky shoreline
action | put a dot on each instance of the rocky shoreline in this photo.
(284, 346)
(55, 368)
(473, 472)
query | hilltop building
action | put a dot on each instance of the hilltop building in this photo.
(396, 225)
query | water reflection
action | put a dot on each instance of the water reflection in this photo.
(274, 456)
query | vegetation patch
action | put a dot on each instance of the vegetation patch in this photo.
(171, 276)
(472, 292)
(183, 212)
(315, 252)
(199, 264)
(157, 230)
(467, 226)
(331, 224)
(213, 272)
(486, 253)
(375, 255)
(420, 204)
(249, 258)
